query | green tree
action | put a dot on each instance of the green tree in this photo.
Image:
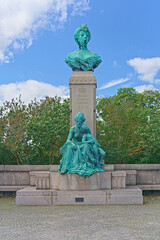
(127, 126)
(33, 134)
(13, 119)
(48, 128)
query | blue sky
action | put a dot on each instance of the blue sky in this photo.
(36, 36)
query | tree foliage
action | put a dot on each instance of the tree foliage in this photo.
(128, 128)
(33, 134)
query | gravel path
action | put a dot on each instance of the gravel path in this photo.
(80, 222)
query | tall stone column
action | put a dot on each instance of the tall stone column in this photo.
(83, 97)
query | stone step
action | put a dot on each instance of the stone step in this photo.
(130, 195)
(31, 196)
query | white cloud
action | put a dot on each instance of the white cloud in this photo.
(114, 82)
(29, 90)
(142, 88)
(21, 19)
(147, 68)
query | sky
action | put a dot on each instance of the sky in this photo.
(36, 36)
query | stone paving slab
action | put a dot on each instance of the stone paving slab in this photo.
(129, 222)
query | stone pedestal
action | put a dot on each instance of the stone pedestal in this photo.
(83, 98)
(74, 182)
(101, 188)
(31, 196)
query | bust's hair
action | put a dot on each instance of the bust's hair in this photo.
(79, 116)
(83, 28)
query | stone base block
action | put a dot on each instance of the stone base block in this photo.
(79, 198)
(31, 196)
(130, 195)
(74, 182)
(119, 180)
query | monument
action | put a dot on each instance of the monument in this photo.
(82, 82)
(81, 178)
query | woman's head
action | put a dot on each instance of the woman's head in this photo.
(79, 119)
(82, 36)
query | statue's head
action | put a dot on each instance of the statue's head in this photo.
(79, 119)
(82, 36)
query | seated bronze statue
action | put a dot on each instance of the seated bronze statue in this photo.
(81, 152)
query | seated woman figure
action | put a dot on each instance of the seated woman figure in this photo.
(79, 156)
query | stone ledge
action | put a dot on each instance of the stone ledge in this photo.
(31, 191)
(54, 168)
(108, 167)
(25, 168)
(11, 188)
(119, 174)
(149, 187)
(142, 167)
(131, 172)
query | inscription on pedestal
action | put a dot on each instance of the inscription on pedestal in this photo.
(79, 199)
(82, 99)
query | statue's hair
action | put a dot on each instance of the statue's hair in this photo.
(84, 28)
(79, 116)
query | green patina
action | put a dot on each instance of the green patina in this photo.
(83, 59)
(81, 152)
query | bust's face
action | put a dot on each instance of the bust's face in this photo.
(83, 39)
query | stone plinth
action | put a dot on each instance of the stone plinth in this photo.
(74, 182)
(118, 180)
(130, 195)
(83, 97)
(31, 196)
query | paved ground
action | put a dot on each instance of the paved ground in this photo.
(80, 222)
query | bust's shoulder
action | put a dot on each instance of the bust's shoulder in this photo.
(72, 55)
(94, 55)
